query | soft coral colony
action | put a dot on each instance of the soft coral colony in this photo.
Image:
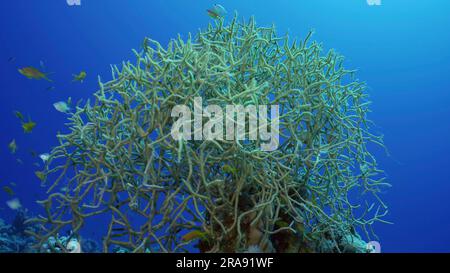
(166, 195)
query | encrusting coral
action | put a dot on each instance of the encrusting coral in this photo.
(13, 237)
(166, 195)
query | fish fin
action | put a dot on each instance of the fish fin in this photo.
(41, 63)
(212, 14)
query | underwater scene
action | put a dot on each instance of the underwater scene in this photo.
(257, 126)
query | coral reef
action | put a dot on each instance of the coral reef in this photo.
(13, 237)
(119, 160)
(57, 244)
(68, 244)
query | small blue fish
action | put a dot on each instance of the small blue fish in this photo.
(217, 11)
(62, 106)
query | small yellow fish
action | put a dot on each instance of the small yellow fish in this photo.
(8, 190)
(13, 146)
(80, 77)
(40, 175)
(28, 126)
(281, 224)
(196, 234)
(19, 115)
(33, 73)
(300, 227)
(228, 169)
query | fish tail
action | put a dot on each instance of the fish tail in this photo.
(47, 79)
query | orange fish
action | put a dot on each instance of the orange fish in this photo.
(33, 73)
(196, 234)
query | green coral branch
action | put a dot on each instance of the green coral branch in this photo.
(121, 160)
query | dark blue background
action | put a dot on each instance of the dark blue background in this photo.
(402, 50)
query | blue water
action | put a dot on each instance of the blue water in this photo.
(401, 48)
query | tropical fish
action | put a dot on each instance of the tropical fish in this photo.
(80, 77)
(8, 190)
(217, 11)
(301, 228)
(33, 73)
(19, 161)
(228, 169)
(45, 157)
(118, 229)
(61, 106)
(50, 88)
(33, 153)
(281, 224)
(28, 126)
(40, 175)
(14, 204)
(196, 234)
(11, 59)
(13, 184)
(13, 146)
(19, 115)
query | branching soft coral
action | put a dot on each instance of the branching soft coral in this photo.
(157, 192)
